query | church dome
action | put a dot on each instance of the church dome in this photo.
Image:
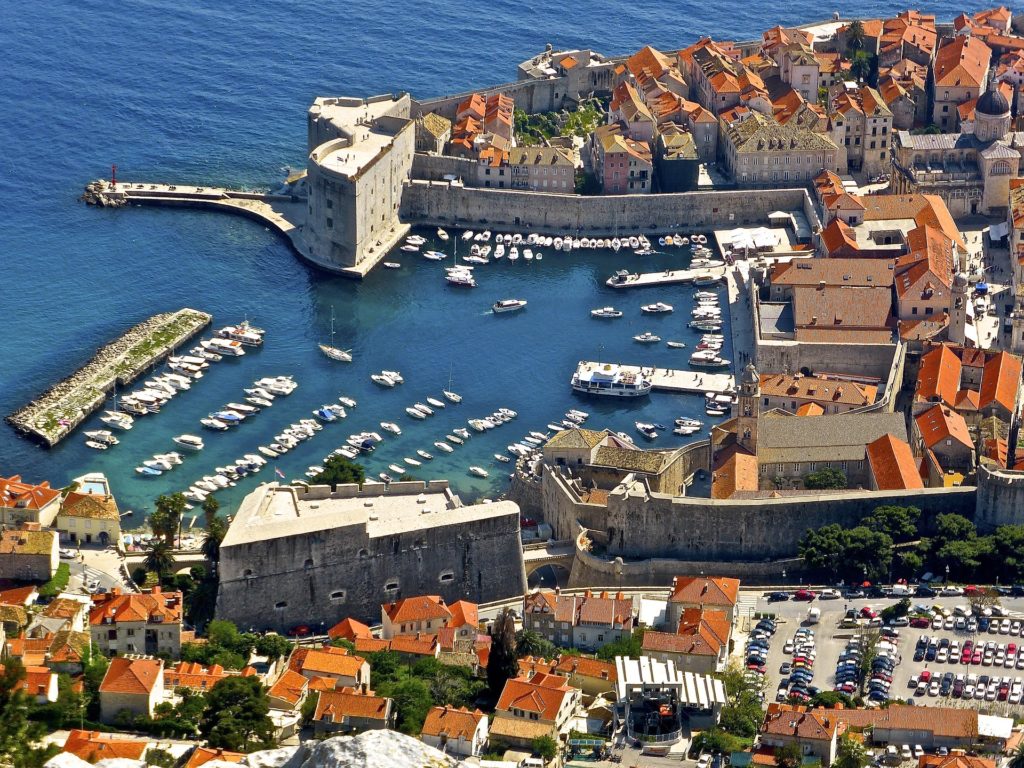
(992, 102)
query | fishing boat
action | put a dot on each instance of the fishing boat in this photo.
(647, 338)
(443, 447)
(435, 402)
(390, 426)
(192, 442)
(442, 234)
(333, 352)
(508, 305)
(478, 471)
(424, 455)
(656, 308)
(675, 344)
(605, 313)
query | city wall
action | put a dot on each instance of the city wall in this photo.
(448, 205)
(1000, 498)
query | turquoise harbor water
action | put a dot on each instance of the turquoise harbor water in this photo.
(189, 91)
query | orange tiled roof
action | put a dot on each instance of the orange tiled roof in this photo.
(810, 409)
(152, 605)
(584, 666)
(705, 590)
(90, 505)
(648, 60)
(321, 661)
(451, 722)
(542, 694)
(21, 596)
(193, 675)
(347, 702)
(420, 608)
(15, 493)
(954, 761)
(735, 470)
(93, 746)
(349, 629)
(1000, 382)
(203, 755)
(939, 423)
(125, 675)
(892, 464)
(938, 378)
(464, 613)
(806, 725)
(963, 61)
(290, 687)
(687, 645)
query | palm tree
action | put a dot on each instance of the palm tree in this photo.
(159, 558)
(1017, 759)
(855, 36)
(216, 530)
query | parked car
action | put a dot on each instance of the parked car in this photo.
(778, 597)
(829, 594)
(923, 590)
(804, 594)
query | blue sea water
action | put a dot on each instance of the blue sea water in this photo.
(191, 91)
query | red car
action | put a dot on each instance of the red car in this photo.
(1004, 691)
(965, 657)
(920, 622)
(970, 589)
(805, 594)
(976, 658)
(1011, 649)
(867, 612)
(926, 675)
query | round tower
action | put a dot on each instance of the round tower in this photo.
(991, 115)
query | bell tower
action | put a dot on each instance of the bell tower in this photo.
(748, 408)
(957, 331)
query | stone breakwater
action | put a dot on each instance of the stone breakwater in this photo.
(58, 411)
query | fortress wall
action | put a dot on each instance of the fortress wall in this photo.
(863, 359)
(442, 204)
(529, 96)
(436, 167)
(730, 530)
(324, 576)
(1000, 498)
(528, 493)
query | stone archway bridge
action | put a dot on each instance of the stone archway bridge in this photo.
(559, 554)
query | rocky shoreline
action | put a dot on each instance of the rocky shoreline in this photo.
(53, 415)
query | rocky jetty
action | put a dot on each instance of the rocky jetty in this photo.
(101, 192)
(54, 414)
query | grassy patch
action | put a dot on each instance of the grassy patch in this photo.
(58, 583)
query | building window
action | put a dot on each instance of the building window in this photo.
(281, 605)
(391, 586)
(330, 223)
(446, 576)
(330, 203)
(338, 596)
(363, 553)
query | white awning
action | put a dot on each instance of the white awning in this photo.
(992, 727)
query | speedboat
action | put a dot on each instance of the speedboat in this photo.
(385, 477)
(675, 344)
(501, 458)
(646, 338)
(454, 439)
(409, 248)
(684, 431)
(715, 411)
(267, 451)
(228, 417)
(461, 278)
(160, 464)
(348, 402)
(192, 442)
(390, 426)
(412, 462)
(212, 423)
(708, 358)
(685, 421)
(704, 295)
(97, 445)
(395, 376)
(467, 235)
(415, 413)
(435, 402)
(260, 401)
(508, 305)
(415, 239)
(396, 468)
(478, 471)
(148, 471)
(706, 325)
(647, 430)
(325, 414)
(443, 447)
(605, 312)
(656, 308)
(435, 255)
(381, 379)
(513, 253)
(556, 427)
(424, 455)
(243, 408)
(423, 409)
(392, 265)
(452, 396)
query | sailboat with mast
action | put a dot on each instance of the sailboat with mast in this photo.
(449, 394)
(333, 352)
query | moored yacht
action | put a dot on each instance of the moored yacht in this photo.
(192, 442)
(508, 305)
(609, 379)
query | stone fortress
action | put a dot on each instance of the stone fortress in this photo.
(314, 556)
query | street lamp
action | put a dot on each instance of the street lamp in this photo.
(947, 573)
(783, 575)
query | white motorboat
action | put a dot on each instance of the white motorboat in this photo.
(390, 426)
(605, 313)
(160, 464)
(415, 240)
(97, 445)
(224, 347)
(409, 248)
(478, 471)
(415, 413)
(508, 305)
(243, 332)
(348, 402)
(102, 436)
(385, 477)
(647, 430)
(715, 411)
(395, 376)
(647, 338)
(425, 410)
(513, 254)
(384, 381)
(656, 308)
(442, 234)
(684, 431)
(461, 278)
(397, 468)
(267, 451)
(192, 442)
(478, 425)
(528, 254)
(502, 459)
(435, 402)
(443, 447)
(685, 421)
(698, 295)
(675, 344)
(148, 471)
(467, 235)
(452, 396)
(212, 423)
(392, 265)
(434, 255)
(555, 427)
(609, 379)
(424, 455)
(454, 439)
(260, 401)
(412, 462)
(243, 408)
(708, 358)
(508, 412)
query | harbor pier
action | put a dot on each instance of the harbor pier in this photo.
(673, 380)
(57, 412)
(668, 277)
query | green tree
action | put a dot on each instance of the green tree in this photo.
(502, 662)
(822, 548)
(718, 742)
(855, 36)
(236, 715)
(216, 530)
(826, 478)
(850, 753)
(160, 758)
(412, 701)
(210, 509)
(166, 519)
(861, 65)
(789, 756)
(900, 523)
(1008, 552)
(17, 733)
(529, 643)
(273, 646)
(545, 747)
(1017, 758)
(869, 652)
(896, 610)
(340, 471)
(866, 550)
(159, 558)
(829, 699)
(629, 645)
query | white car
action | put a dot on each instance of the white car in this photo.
(704, 761)
(67, 554)
(829, 594)
(92, 585)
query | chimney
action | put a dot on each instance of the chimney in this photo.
(587, 593)
(364, 688)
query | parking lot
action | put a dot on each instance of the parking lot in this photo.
(990, 653)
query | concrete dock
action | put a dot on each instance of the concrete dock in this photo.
(676, 381)
(667, 277)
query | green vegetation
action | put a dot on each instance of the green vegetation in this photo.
(225, 645)
(57, 584)
(236, 715)
(541, 126)
(789, 756)
(741, 715)
(418, 687)
(340, 471)
(18, 734)
(502, 662)
(545, 747)
(850, 753)
(625, 646)
(161, 758)
(179, 720)
(826, 478)
(166, 518)
(855, 36)
(896, 610)
(159, 559)
(529, 643)
(850, 554)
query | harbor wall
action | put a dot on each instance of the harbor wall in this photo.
(453, 205)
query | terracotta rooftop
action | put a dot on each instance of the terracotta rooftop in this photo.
(893, 464)
(290, 687)
(451, 722)
(818, 388)
(202, 755)
(962, 62)
(93, 746)
(806, 725)
(938, 378)
(17, 494)
(319, 662)
(542, 695)
(941, 722)
(1001, 380)
(939, 423)
(349, 629)
(705, 590)
(339, 704)
(93, 506)
(138, 676)
(154, 605)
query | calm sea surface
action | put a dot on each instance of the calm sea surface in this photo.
(217, 93)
